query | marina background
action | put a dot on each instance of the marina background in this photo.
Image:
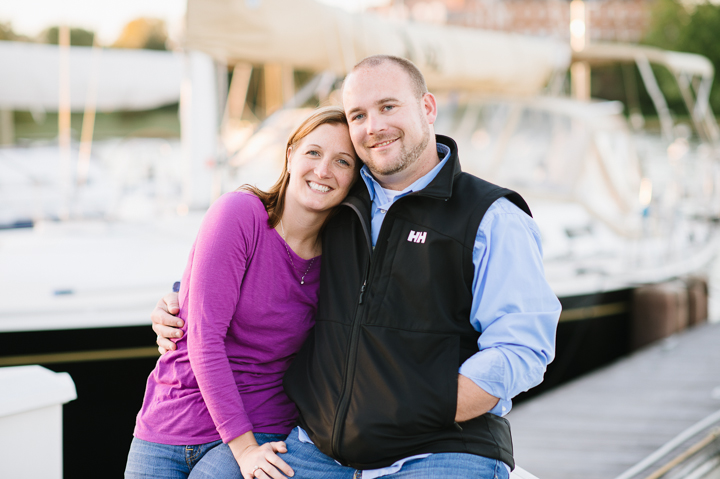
(120, 124)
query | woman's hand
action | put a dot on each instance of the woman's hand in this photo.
(260, 461)
(165, 323)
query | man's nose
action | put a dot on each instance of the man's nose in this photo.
(374, 124)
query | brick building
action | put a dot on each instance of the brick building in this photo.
(606, 20)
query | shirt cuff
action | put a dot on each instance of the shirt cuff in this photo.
(486, 369)
(303, 436)
(235, 427)
(501, 408)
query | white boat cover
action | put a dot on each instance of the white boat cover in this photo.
(677, 62)
(33, 387)
(307, 35)
(124, 79)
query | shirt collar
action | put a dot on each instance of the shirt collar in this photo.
(377, 191)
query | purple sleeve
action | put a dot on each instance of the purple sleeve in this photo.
(222, 250)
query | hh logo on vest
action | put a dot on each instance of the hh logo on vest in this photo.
(417, 236)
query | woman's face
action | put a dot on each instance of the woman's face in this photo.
(322, 168)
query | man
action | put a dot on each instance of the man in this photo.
(434, 311)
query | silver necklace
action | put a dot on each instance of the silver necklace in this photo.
(302, 280)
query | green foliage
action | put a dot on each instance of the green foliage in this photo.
(668, 18)
(701, 37)
(156, 41)
(160, 122)
(622, 82)
(693, 29)
(8, 34)
(78, 36)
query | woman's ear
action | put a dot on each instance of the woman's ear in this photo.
(288, 155)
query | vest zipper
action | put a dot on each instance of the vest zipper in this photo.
(366, 230)
(343, 404)
(362, 291)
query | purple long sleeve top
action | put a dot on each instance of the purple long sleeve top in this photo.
(246, 316)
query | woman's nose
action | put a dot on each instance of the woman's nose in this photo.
(322, 169)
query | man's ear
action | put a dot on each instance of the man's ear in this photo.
(429, 106)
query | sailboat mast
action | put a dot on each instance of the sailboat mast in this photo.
(64, 118)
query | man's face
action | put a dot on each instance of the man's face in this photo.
(389, 124)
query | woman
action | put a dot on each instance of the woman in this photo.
(248, 297)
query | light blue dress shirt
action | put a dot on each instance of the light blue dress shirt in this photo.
(513, 306)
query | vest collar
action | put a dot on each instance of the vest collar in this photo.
(441, 186)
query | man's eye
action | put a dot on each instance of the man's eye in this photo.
(388, 107)
(359, 116)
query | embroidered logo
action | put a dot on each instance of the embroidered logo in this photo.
(417, 236)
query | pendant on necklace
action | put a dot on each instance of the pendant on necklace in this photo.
(292, 263)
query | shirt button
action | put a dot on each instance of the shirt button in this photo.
(383, 211)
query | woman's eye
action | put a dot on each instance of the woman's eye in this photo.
(313, 153)
(344, 162)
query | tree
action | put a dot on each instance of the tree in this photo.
(668, 18)
(701, 36)
(8, 34)
(78, 36)
(149, 33)
(689, 28)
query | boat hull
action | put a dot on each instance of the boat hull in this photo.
(110, 367)
(594, 330)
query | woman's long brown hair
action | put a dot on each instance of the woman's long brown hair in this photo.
(274, 198)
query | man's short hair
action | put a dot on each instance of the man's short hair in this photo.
(416, 77)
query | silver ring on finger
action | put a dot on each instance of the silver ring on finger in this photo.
(255, 470)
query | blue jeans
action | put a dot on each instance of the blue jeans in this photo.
(309, 463)
(212, 460)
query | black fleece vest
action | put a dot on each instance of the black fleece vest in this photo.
(377, 379)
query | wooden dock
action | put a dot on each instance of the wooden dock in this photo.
(599, 426)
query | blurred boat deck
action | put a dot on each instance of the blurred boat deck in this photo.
(604, 423)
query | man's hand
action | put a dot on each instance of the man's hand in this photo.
(473, 401)
(165, 324)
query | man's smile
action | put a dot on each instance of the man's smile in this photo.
(383, 143)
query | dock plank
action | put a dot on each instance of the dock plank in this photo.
(602, 424)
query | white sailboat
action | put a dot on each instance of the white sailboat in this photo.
(92, 234)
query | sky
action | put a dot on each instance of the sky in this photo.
(107, 17)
